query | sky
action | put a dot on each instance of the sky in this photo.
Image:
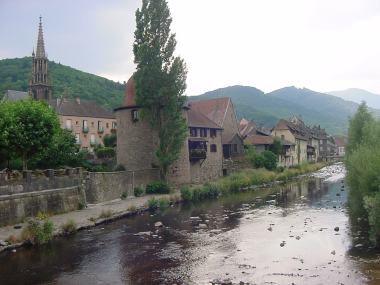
(323, 45)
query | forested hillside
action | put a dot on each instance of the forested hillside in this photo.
(315, 108)
(15, 74)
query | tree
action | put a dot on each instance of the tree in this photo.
(62, 151)
(356, 128)
(160, 80)
(276, 147)
(29, 127)
(110, 140)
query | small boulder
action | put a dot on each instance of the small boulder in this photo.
(202, 226)
(158, 224)
(298, 237)
(282, 244)
(3, 243)
(336, 229)
(333, 252)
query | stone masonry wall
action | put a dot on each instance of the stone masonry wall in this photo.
(107, 186)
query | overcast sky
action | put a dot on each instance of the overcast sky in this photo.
(323, 45)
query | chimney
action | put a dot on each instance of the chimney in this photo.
(78, 100)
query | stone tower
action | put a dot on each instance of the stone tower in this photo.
(39, 87)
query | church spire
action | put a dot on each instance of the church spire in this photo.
(40, 52)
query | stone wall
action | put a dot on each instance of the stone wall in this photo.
(107, 186)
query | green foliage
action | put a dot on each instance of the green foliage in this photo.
(186, 193)
(163, 203)
(29, 128)
(119, 167)
(110, 140)
(81, 205)
(157, 187)
(153, 204)
(124, 196)
(138, 191)
(69, 227)
(15, 74)
(160, 80)
(38, 231)
(266, 159)
(363, 168)
(105, 152)
(276, 148)
(250, 153)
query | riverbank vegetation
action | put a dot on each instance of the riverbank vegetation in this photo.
(363, 170)
(243, 180)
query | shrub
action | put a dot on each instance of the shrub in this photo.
(105, 214)
(163, 203)
(119, 167)
(38, 232)
(186, 194)
(69, 227)
(270, 160)
(109, 140)
(81, 205)
(105, 152)
(259, 161)
(153, 204)
(138, 191)
(124, 196)
(12, 239)
(157, 187)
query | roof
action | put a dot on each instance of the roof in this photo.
(214, 109)
(80, 108)
(13, 95)
(264, 140)
(246, 127)
(197, 119)
(340, 141)
(130, 93)
(300, 132)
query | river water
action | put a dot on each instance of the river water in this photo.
(282, 235)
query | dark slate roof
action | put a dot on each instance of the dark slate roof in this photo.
(265, 140)
(80, 108)
(197, 119)
(215, 109)
(13, 95)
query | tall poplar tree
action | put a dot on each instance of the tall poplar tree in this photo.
(160, 80)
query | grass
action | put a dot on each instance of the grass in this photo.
(38, 231)
(239, 181)
(105, 214)
(69, 227)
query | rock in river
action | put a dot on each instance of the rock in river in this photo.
(158, 224)
(336, 229)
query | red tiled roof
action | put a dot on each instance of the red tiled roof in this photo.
(197, 119)
(246, 127)
(130, 93)
(259, 140)
(214, 109)
(339, 141)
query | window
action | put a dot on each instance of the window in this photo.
(85, 126)
(76, 123)
(68, 125)
(107, 125)
(213, 148)
(77, 138)
(114, 125)
(235, 148)
(203, 133)
(135, 115)
(282, 137)
(212, 133)
(92, 139)
(92, 124)
(193, 132)
(100, 126)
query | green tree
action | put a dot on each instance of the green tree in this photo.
(160, 80)
(276, 147)
(356, 128)
(62, 151)
(110, 140)
(30, 127)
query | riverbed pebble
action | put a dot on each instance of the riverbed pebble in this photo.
(158, 224)
(336, 229)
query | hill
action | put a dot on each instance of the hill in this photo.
(359, 95)
(315, 108)
(15, 74)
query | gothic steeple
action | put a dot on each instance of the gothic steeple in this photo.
(40, 88)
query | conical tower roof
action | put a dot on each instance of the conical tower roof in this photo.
(40, 51)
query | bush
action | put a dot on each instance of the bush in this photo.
(186, 194)
(105, 152)
(81, 206)
(270, 160)
(69, 227)
(157, 187)
(124, 196)
(163, 203)
(153, 204)
(110, 140)
(119, 167)
(138, 191)
(38, 232)
(105, 214)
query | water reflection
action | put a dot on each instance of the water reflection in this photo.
(282, 235)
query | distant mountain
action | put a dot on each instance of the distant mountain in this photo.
(315, 108)
(359, 95)
(15, 74)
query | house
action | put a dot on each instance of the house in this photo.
(296, 134)
(88, 121)
(221, 111)
(201, 156)
(262, 140)
(340, 149)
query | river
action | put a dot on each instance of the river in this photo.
(297, 233)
